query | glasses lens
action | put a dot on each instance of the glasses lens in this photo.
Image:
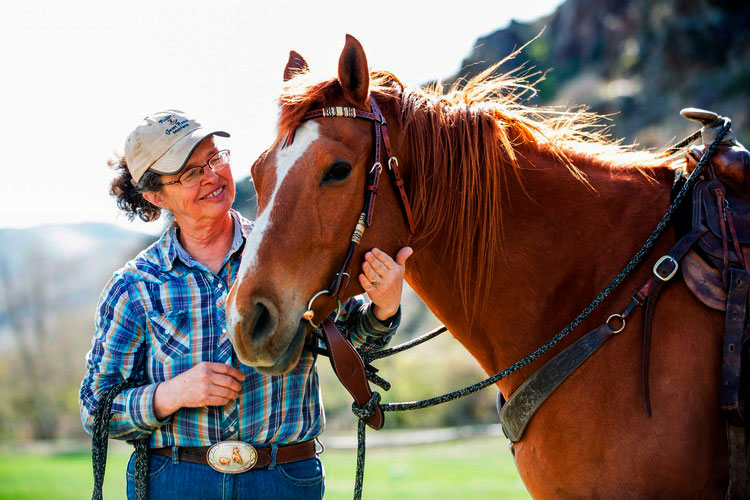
(192, 176)
(219, 160)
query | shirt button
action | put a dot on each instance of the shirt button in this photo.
(223, 330)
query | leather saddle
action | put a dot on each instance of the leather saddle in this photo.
(721, 201)
(717, 271)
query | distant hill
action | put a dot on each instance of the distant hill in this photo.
(641, 59)
(245, 201)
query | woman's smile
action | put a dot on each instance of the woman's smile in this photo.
(215, 195)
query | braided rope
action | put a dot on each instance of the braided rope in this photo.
(369, 356)
(362, 413)
(99, 443)
(687, 140)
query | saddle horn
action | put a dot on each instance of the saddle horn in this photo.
(712, 124)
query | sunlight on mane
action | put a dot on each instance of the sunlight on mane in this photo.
(464, 144)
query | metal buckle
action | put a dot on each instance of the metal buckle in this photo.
(232, 457)
(618, 317)
(659, 263)
(308, 315)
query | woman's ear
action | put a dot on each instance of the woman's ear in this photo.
(154, 197)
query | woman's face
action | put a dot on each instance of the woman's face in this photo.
(211, 198)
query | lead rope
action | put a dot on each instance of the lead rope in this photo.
(99, 437)
(365, 412)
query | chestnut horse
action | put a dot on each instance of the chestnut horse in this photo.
(521, 218)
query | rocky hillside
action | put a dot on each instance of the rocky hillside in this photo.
(641, 59)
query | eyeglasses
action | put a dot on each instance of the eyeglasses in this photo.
(193, 175)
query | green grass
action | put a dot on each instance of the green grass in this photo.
(479, 467)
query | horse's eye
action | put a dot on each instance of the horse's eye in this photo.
(337, 172)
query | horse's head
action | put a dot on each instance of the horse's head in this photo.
(311, 190)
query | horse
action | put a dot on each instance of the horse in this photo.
(521, 215)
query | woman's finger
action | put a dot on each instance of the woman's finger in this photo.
(383, 258)
(402, 255)
(370, 273)
(376, 264)
(227, 381)
(216, 401)
(365, 283)
(222, 392)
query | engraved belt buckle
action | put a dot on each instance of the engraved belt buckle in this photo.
(231, 457)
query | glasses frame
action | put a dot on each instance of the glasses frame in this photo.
(203, 167)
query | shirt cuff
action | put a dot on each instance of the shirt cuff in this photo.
(140, 405)
(373, 325)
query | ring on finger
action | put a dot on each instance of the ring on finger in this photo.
(374, 282)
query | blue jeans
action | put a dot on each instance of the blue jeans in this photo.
(182, 480)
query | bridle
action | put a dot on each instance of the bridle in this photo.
(382, 141)
(345, 360)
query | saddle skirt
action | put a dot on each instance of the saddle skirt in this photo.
(721, 203)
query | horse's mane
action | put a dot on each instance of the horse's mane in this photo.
(467, 140)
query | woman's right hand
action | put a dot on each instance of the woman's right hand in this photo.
(205, 384)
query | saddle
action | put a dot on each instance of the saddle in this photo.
(717, 270)
(722, 202)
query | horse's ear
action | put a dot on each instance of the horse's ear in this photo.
(296, 65)
(354, 75)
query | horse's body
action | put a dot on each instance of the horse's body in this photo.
(505, 255)
(592, 437)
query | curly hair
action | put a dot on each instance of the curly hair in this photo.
(129, 197)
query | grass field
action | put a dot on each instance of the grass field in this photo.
(476, 468)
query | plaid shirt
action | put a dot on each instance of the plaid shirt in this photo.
(162, 314)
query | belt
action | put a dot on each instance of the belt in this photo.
(237, 456)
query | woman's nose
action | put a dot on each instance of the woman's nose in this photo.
(208, 175)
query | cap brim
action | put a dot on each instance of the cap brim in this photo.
(175, 159)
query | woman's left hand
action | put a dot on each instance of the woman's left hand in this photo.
(382, 278)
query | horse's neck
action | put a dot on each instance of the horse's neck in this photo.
(562, 243)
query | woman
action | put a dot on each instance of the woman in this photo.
(161, 320)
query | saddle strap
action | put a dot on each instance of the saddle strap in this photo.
(729, 398)
(517, 411)
(739, 476)
(734, 327)
(350, 370)
(665, 269)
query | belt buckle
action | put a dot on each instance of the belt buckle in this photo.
(231, 457)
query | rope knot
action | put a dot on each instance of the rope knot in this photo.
(368, 410)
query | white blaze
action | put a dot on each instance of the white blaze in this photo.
(286, 159)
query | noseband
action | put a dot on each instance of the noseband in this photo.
(382, 140)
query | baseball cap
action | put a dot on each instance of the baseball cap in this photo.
(163, 143)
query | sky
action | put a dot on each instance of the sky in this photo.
(78, 76)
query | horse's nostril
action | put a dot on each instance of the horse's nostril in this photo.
(263, 322)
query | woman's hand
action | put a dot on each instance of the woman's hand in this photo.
(205, 384)
(382, 278)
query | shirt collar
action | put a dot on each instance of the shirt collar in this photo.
(170, 247)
